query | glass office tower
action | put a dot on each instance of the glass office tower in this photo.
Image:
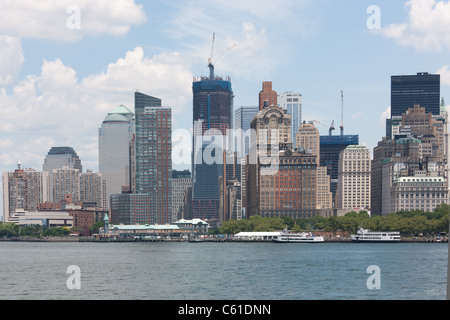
(408, 90)
(114, 138)
(243, 117)
(212, 109)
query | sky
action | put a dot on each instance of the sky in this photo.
(64, 64)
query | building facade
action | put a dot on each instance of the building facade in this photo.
(289, 189)
(243, 117)
(212, 115)
(181, 181)
(408, 90)
(114, 141)
(292, 103)
(354, 186)
(93, 189)
(24, 189)
(330, 149)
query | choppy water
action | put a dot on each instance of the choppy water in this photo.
(223, 271)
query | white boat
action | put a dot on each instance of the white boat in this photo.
(365, 235)
(298, 238)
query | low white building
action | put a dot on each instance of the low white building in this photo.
(45, 219)
(256, 236)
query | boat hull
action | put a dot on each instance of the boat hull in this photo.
(319, 240)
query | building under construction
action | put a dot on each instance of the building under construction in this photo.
(212, 109)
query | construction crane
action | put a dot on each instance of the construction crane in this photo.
(330, 128)
(211, 64)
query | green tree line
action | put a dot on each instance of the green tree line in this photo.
(408, 223)
(12, 230)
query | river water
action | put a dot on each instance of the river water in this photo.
(222, 271)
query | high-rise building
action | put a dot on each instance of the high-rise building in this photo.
(292, 103)
(59, 157)
(154, 160)
(114, 140)
(353, 189)
(141, 101)
(267, 95)
(384, 149)
(212, 115)
(243, 117)
(272, 127)
(308, 138)
(93, 189)
(290, 189)
(66, 181)
(24, 189)
(330, 149)
(181, 181)
(419, 136)
(308, 141)
(133, 208)
(408, 90)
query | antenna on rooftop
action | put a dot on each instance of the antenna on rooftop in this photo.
(210, 63)
(342, 112)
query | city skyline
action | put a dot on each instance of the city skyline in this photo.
(58, 81)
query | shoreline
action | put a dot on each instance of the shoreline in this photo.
(87, 239)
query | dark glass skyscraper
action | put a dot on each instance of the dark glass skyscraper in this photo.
(212, 109)
(408, 90)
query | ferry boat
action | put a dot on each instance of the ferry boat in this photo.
(298, 238)
(365, 235)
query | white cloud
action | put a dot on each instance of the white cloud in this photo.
(445, 75)
(48, 19)
(427, 28)
(357, 115)
(11, 59)
(385, 115)
(252, 28)
(57, 108)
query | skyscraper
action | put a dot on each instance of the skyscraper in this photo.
(408, 90)
(24, 189)
(114, 138)
(212, 110)
(272, 126)
(353, 189)
(155, 160)
(330, 148)
(141, 101)
(59, 157)
(149, 198)
(93, 189)
(66, 181)
(292, 103)
(243, 117)
(308, 140)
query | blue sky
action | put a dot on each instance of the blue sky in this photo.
(57, 84)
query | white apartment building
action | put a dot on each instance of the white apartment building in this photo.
(354, 176)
